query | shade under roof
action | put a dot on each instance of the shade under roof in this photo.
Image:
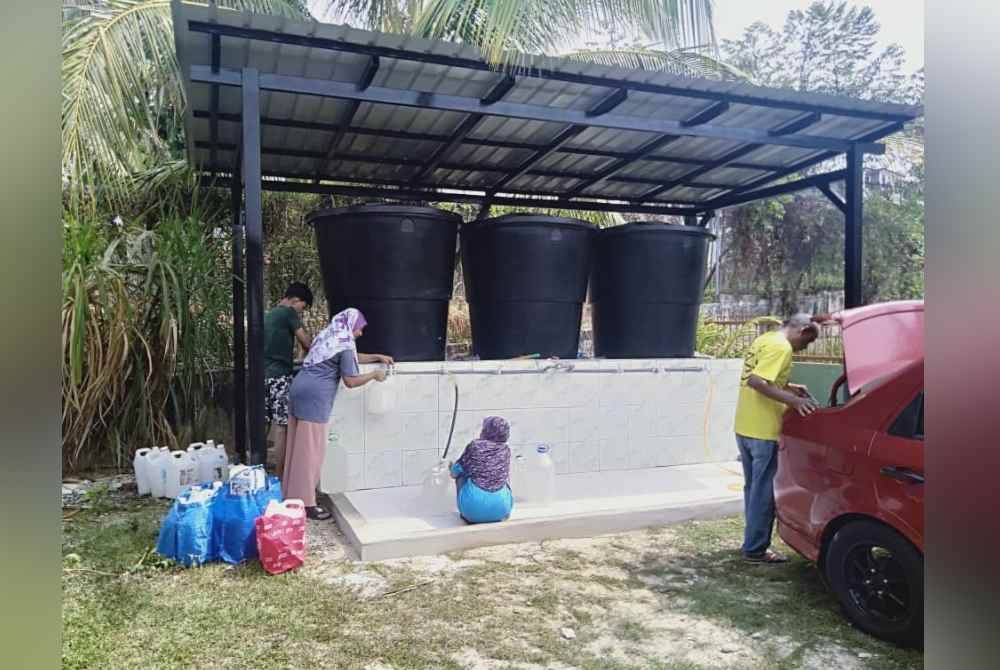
(569, 129)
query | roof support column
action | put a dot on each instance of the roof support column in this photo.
(853, 233)
(255, 262)
(239, 326)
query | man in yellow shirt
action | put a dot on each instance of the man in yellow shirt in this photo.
(765, 395)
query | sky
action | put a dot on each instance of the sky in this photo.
(902, 21)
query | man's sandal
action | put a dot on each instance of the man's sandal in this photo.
(766, 557)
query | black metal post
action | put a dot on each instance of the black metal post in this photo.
(239, 326)
(853, 195)
(255, 263)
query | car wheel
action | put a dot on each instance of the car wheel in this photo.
(878, 577)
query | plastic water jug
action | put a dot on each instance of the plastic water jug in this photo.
(181, 472)
(437, 494)
(213, 464)
(246, 479)
(139, 466)
(538, 478)
(516, 476)
(382, 396)
(156, 471)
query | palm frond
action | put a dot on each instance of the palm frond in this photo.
(122, 89)
(685, 62)
(509, 32)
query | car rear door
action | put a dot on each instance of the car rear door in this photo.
(897, 460)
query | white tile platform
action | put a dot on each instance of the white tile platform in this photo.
(598, 418)
(388, 523)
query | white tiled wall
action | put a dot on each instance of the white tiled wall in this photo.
(595, 421)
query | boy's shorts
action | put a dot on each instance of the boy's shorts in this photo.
(276, 399)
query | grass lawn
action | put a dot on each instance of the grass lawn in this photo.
(665, 598)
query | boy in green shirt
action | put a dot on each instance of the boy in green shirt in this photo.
(765, 395)
(282, 327)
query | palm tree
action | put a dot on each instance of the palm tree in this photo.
(123, 101)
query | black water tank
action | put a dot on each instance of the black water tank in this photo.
(646, 289)
(396, 264)
(525, 281)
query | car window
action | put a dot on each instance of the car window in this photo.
(910, 422)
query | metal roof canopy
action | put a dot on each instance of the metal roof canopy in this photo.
(311, 107)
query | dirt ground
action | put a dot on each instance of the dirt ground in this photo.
(673, 597)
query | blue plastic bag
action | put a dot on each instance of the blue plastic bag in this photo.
(186, 531)
(233, 517)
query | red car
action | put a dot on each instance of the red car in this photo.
(849, 487)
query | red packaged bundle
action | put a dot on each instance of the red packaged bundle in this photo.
(281, 536)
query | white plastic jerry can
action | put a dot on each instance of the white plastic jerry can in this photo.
(156, 471)
(213, 465)
(140, 467)
(181, 471)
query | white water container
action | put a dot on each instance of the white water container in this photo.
(139, 467)
(382, 396)
(181, 472)
(213, 464)
(246, 479)
(156, 471)
(518, 464)
(538, 479)
(438, 492)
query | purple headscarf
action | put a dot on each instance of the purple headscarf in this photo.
(486, 461)
(336, 337)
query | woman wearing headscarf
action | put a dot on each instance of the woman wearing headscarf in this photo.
(482, 474)
(333, 357)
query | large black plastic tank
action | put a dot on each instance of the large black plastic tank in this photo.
(525, 281)
(646, 289)
(396, 264)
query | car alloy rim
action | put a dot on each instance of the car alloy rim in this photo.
(876, 583)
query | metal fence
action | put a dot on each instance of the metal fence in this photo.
(828, 347)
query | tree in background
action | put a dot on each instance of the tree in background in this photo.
(790, 246)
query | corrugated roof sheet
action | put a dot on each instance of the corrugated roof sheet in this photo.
(378, 147)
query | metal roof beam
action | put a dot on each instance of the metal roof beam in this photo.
(499, 90)
(467, 125)
(369, 74)
(422, 99)
(478, 141)
(437, 196)
(704, 116)
(833, 197)
(609, 102)
(619, 165)
(553, 146)
(814, 160)
(797, 124)
(313, 42)
(406, 182)
(779, 189)
(693, 174)
(213, 104)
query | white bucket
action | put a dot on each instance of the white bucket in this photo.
(181, 472)
(156, 471)
(139, 466)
